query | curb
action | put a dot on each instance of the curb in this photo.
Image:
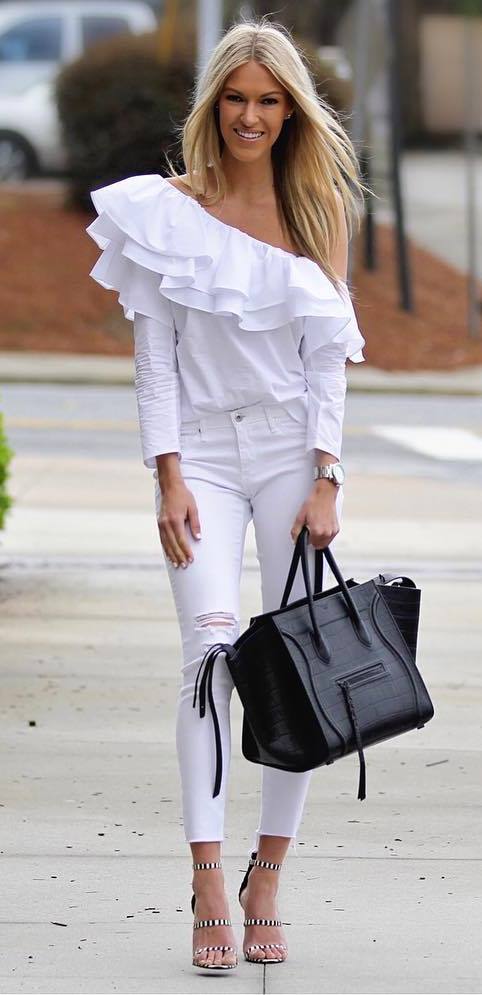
(466, 381)
(69, 368)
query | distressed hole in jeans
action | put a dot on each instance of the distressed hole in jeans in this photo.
(216, 619)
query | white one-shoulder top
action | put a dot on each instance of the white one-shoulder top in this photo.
(221, 319)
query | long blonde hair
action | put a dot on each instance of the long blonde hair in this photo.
(312, 158)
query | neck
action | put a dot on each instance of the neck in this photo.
(250, 182)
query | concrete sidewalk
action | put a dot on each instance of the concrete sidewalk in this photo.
(96, 874)
(46, 367)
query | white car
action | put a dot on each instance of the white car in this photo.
(37, 38)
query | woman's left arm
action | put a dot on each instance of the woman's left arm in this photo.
(325, 371)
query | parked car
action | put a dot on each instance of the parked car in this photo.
(37, 38)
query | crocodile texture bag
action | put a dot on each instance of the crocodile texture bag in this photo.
(326, 675)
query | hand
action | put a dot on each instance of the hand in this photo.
(318, 513)
(177, 505)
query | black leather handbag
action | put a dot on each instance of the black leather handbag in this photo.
(325, 675)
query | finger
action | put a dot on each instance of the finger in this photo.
(182, 540)
(176, 551)
(323, 539)
(296, 528)
(165, 543)
(194, 523)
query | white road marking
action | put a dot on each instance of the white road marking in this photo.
(437, 441)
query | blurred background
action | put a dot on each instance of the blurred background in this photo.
(91, 92)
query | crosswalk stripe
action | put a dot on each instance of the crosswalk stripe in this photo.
(437, 441)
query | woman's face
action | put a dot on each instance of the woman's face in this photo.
(253, 106)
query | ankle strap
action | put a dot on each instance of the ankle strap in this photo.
(207, 866)
(264, 863)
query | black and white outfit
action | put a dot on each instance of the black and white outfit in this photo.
(240, 354)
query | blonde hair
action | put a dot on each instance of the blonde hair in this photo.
(313, 157)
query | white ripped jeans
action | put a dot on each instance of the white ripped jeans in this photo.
(249, 463)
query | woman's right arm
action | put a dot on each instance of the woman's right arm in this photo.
(158, 405)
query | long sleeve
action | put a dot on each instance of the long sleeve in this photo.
(325, 372)
(157, 386)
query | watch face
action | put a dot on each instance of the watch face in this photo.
(338, 473)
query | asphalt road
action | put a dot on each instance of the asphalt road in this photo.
(99, 422)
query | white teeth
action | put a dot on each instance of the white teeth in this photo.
(248, 134)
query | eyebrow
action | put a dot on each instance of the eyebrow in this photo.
(262, 95)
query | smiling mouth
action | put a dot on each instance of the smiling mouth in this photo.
(250, 136)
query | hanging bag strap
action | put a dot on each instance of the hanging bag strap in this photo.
(301, 552)
(318, 579)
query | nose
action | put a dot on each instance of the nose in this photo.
(250, 114)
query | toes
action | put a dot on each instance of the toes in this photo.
(215, 958)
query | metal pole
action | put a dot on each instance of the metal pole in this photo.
(209, 28)
(369, 242)
(168, 27)
(405, 283)
(470, 143)
(358, 127)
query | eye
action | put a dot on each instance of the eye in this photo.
(235, 96)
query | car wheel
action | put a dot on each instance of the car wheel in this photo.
(17, 160)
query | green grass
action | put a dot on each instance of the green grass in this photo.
(5, 457)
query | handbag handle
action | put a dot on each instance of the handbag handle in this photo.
(301, 551)
(318, 585)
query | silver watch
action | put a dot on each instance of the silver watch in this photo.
(333, 471)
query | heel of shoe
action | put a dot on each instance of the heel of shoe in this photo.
(201, 923)
(251, 921)
(248, 872)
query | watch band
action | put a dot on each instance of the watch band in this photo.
(331, 471)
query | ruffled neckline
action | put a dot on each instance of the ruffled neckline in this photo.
(224, 224)
(159, 242)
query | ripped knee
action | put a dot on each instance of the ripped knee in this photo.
(216, 620)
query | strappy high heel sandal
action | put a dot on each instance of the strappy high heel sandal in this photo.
(200, 923)
(254, 862)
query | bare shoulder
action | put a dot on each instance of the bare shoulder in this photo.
(181, 183)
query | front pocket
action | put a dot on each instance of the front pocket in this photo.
(288, 419)
(291, 412)
(187, 432)
(364, 676)
(288, 422)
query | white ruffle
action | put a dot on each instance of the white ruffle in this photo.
(159, 243)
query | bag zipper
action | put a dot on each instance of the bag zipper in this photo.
(358, 677)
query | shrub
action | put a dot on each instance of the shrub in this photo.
(121, 106)
(5, 457)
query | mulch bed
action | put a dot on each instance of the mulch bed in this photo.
(49, 303)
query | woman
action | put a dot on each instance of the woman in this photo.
(233, 275)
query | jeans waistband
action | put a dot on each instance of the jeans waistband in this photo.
(249, 412)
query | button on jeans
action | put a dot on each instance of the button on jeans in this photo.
(241, 465)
